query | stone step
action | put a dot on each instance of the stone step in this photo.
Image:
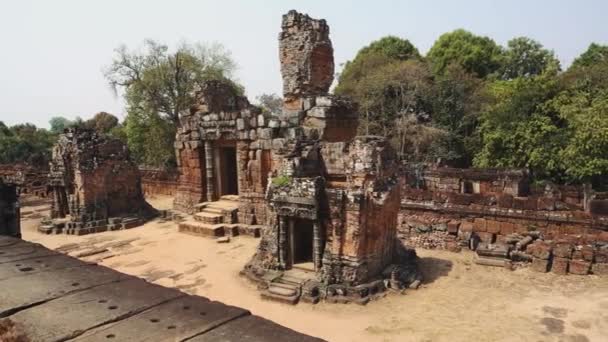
(232, 198)
(208, 218)
(201, 229)
(222, 205)
(211, 210)
(278, 293)
(282, 290)
(251, 230)
(291, 280)
(278, 283)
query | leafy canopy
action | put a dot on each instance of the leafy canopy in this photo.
(478, 55)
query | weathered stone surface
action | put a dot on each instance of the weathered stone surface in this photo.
(43, 286)
(252, 329)
(92, 302)
(71, 315)
(22, 250)
(177, 320)
(28, 266)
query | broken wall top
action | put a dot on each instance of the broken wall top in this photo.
(306, 55)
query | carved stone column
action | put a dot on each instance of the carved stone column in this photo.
(317, 244)
(283, 226)
(209, 170)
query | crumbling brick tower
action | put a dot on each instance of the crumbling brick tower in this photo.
(95, 185)
(334, 197)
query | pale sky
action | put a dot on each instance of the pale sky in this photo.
(52, 52)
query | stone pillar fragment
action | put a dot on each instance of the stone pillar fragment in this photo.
(283, 226)
(317, 245)
(209, 170)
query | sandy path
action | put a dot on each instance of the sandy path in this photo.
(460, 301)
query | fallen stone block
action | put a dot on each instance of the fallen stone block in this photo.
(540, 265)
(600, 269)
(563, 250)
(579, 267)
(223, 239)
(497, 262)
(560, 265)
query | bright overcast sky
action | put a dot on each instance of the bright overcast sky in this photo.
(52, 52)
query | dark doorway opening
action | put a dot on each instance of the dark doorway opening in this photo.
(228, 171)
(302, 242)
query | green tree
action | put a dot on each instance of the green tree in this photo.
(25, 143)
(271, 103)
(525, 57)
(158, 85)
(594, 54)
(518, 128)
(164, 81)
(456, 101)
(102, 122)
(150, 138)
(58, 124)
(478, 55)
(583, 106)
(379, 52)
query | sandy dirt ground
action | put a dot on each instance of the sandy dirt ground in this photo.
(459, 300)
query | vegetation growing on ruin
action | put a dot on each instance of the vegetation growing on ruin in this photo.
(281, 181)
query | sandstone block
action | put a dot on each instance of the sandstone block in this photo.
(479, 225)
(600, 269)
(492, 226)
(540, 265)
(466, 226)
(506, 228)
(453, 227)
(579, 267)
(563, 250)
(539, 250)
(560, 265)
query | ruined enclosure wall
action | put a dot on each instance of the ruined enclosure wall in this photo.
(502, 208)
(9, 210)
(158, 181)
(29, 180)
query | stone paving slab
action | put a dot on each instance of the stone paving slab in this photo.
(30, 265)
(176, 320)
(60, 298)
(7, 241)
(71, 315)
(23, 250)
(31, 289)
(252, 329)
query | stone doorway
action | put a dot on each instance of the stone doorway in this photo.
(301, 244)
(227, 173)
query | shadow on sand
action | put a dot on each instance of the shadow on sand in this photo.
(434, 268)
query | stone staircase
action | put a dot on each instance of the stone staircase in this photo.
(216, 219)
(287, 288)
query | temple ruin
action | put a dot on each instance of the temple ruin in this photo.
(324, 200)
(94, 184)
